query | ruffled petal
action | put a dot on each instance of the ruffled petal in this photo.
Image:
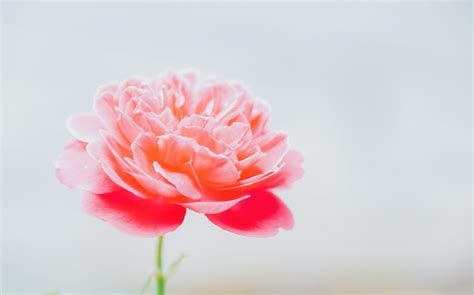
(115, 169)
(85, 127)
(212, 207)
(291, 171)
(183, 183)
(105, 107)
(214, 169)
(275, 146)
(76, 169)
(261, 215)
(234, 134)
(134, 215)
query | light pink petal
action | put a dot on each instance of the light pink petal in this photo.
(261, 215)
(167, 118)
(214, 169)
(127, 90)
(140, 120)
(115, 169)
(234, 117)
(212, 97)
(260, 117)
(183, 183)
(76, 169)
(156, 126)
(174, 151)
(134, 215)
(128, 127)
(234, 134)
(105, 108)
(176, 90)
(85, 127)
(194, 120)
(204, 138)
(155, 186)
(242, 98)
(291, 171)
(212, 207)
(288, 171)
(275, 146)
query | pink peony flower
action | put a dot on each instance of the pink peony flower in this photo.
(153, 149)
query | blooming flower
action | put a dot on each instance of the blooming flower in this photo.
(153, 149)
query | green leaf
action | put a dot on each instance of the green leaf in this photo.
(175, 265)
(147, 283)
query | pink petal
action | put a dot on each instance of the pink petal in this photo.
(251, 159)
(156, 126)
(85, 127)
(167, 118)
(234, 134)
(262, 113)
(211, 97)
(183, 183)
(291, 171)
(134, 215)
(274, 146)
(174, 151)
(288, 171)
(194, 120)
(214, 169)
(204, 138)
(261, 215)
(76, 169)
(115, 169)
(106, 109)
(155, 186)
(128, 127)
(212, 207)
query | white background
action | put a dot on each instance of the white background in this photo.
(378, 96)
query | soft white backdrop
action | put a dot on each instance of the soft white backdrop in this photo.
(378, 96)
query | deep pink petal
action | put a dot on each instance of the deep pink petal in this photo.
(76, 169)
(261, 215)
(134, 215)
(85, 127)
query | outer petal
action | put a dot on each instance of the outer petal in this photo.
(275, 146)
(85, 127)
(261, 215)
(134, 215)
(291, 171)
(212, 207)
(76, 169)
(115, 169)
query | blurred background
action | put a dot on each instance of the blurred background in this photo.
(377, 95)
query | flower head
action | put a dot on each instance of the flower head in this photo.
(153, 149)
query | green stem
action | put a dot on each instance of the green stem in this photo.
(160, 278)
